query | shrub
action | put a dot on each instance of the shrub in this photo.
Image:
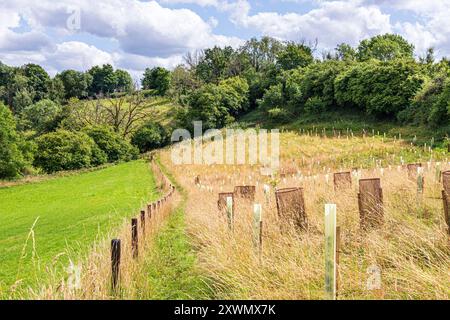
(12, 160)
(150, 136)
(111, 143)
(65, 150)
(41, 116)
(315, 105)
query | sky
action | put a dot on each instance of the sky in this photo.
(134, 34)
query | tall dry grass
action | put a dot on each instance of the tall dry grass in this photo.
(412, 248)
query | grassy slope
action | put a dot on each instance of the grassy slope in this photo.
(73, 211)
(354, 121)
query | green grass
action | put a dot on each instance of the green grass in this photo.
(70, 213)
(169, 271)
(357, 122)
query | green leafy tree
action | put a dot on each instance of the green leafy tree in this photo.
(41, 116)
(104, 80)
(385, 47)
(380, 88)
(294, 55)
(12, 160)
(111, 143)
(38, 80)
(157, 79)
(215, 64)
(64, 150)
(124, 81)
(345, 52)
(150, 136)
(76, 84)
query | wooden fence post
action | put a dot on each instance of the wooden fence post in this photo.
(257, 229)
(143, 222)
(330, 251)
(222, 202)
(134, 237)
(149, 211)
(370, 202)
(115, 263)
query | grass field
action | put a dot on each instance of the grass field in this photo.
(411, 248)
(68, 215)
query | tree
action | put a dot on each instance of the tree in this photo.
(124, 81)
(65, 150)
(150, 136)
(12, 160)
(76, 84)
(112, 144)
(294, 55)
(262, 53)
(345, 52)
(216, 105)
(41, 116)
(123, 114)
(380, 88)
(38, 80)
(215, 64)
(182, 83)
(385, 48)
(104, 80)
(157, 79)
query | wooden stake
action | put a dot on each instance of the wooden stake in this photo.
(115, 263)
(143, 222)
(134, 237)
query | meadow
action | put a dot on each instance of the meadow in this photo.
(46, 224)
(411, 249)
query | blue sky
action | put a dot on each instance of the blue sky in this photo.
(133, 34)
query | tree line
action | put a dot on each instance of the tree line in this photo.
(80, 119)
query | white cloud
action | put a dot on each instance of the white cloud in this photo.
(144, 28)
(331, 23)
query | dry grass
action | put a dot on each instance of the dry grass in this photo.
(412, 248)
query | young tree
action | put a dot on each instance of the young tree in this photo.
(41, 116)
(157, 79)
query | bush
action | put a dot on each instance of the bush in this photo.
(65, 150)
(150, 136)
(41, 116)
(315, 105)
(278, 114)
(111, 143)
(12, 160)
